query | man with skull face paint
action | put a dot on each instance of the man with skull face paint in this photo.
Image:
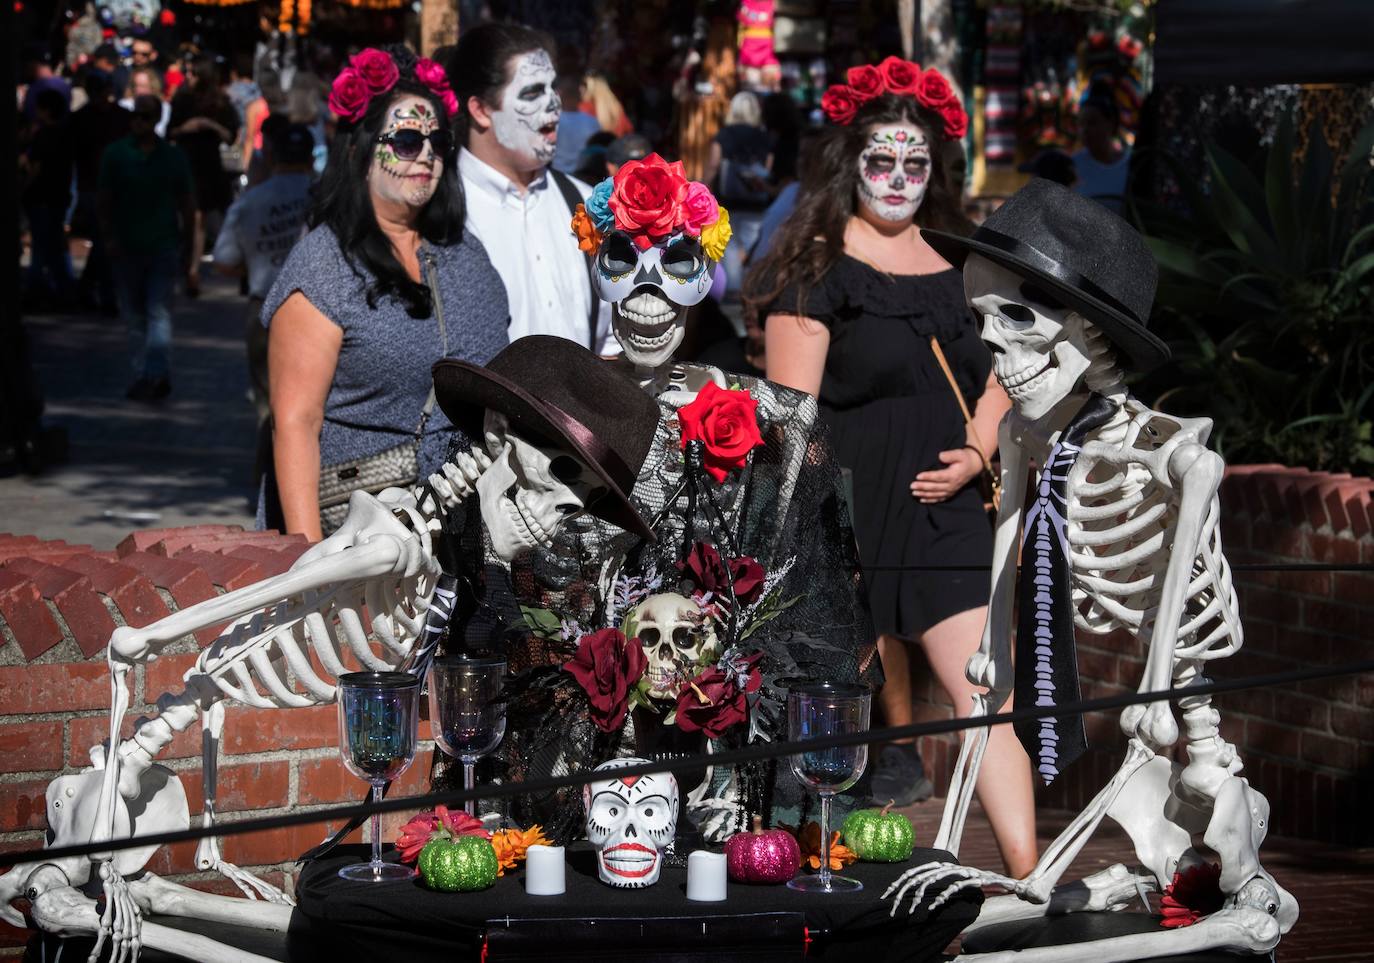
(518, 206)
(854, 301)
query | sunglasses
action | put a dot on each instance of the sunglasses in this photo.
(407, 144)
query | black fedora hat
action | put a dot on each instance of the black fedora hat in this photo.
(556, 391)
(1087, 256)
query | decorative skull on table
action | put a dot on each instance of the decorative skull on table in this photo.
(677, 635)
(630, 820)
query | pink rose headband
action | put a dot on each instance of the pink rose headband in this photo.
(373, 72)
(929, 88)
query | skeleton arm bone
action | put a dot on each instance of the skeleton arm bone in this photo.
(1196, 472)
(991, 665)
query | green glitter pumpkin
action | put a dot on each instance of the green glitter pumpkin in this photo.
(460, 865)
(879, 837)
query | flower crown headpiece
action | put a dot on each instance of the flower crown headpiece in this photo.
(929, 88)
(649, 200)
(374, 72)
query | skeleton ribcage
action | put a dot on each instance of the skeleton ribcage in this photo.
(1122, 521)
(296, 649)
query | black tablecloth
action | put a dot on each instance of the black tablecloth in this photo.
(594, 921)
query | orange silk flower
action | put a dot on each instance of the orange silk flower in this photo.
(809, 839)
(588, 237)
(511, 844)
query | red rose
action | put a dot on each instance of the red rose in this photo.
(956, 121)
(349, 95)
(648, 195)
(713, 702)
(703, 565)
(865, 81)
(727, 425)
(839, 104)
(934, 90)
(607, 665)
(900, 76)
(1191, 895)
(431, 74)
(376, 68)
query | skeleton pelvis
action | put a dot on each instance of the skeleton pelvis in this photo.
(73, 804)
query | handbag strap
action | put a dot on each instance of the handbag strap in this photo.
(963, 407)
(438, 303)
(572, 197)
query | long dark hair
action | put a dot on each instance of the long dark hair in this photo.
(477, 64)
(811, 240)
(344, 203)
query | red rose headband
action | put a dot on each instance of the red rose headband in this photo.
(902, 78)
(373, 72)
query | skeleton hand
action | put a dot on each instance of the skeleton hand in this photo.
(122, 920)
(1152, 724)
(456, 480)
(954, 877)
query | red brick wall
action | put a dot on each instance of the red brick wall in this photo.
(1309, 748)
(58, 605)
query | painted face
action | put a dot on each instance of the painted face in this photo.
(894, 170)
(630, 821)
(527, 122)
(651, 291)
(398, 179)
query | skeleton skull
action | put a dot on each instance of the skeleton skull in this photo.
(676, 635)
(651, 290)
(1040, 348)
(530, 490)
(630, 821)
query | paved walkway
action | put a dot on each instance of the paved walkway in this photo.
(184, 461)
(1334, 887)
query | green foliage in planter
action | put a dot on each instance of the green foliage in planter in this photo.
(1267, 291)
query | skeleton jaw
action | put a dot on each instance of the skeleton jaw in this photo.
(525, 525)
(649, 329)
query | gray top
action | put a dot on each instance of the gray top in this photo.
(382, 379)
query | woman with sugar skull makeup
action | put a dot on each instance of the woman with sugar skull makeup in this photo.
(387, 282)
(852, 297)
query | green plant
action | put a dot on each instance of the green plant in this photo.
(1266, 292)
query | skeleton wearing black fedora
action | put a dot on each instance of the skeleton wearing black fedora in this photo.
(562, 436)
(1120, 534)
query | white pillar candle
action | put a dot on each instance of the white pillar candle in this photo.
(706, 876)
(544, 871)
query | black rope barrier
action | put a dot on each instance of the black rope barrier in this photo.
(752, 753)
(1235, 568)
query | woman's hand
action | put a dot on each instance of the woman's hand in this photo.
(938, 485)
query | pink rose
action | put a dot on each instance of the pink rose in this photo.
(431, 74)
(377, 69)
(648, 195)
(700, 208)
(866, 82)
(900, 76)
(349, 95)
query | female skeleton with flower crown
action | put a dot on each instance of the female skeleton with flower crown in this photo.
(685, 642)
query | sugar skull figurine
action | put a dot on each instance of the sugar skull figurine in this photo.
(630, 820)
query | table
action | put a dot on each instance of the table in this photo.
(365, 921)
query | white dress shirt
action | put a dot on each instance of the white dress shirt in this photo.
(529, 239)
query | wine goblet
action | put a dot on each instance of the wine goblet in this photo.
(378, 716)
(468, 719)
(815, 711)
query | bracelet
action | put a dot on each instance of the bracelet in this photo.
(976, 450)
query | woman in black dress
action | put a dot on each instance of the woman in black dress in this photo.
(852, 297)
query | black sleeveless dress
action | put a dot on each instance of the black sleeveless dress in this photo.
(890, 412)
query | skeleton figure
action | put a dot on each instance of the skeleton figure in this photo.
(284, 647)
(650, 290)
(630, 821)
(527, 120)
(677, 636)
(1141, 517)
